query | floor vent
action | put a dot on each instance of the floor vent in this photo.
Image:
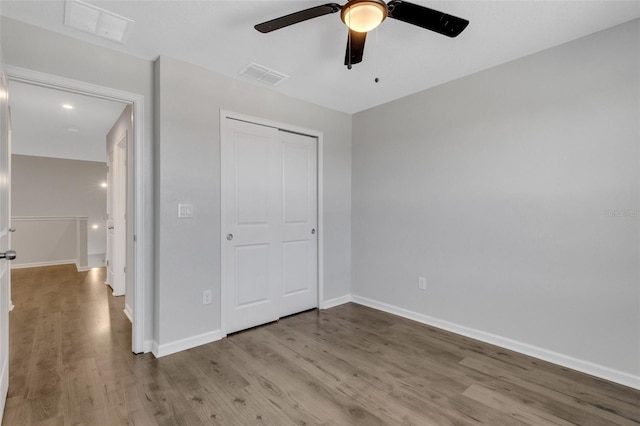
(264, 74)
(94, 20)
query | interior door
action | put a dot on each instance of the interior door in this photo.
(269, 230)
(5, 271)
(8, 204)
(119, 215)
(116, 214)
(110, 227)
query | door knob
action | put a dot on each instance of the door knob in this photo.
(313, 231)
(110, 227)
(229, 237)
(9, 255)
(12, 229)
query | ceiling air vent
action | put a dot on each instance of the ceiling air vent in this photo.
(264, 74)
(94, 20)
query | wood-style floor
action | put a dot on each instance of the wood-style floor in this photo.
(71, 364)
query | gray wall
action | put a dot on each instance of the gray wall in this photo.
(50, 241)
(500, 188)
(42, 186)
(37, 49)
(189, 100)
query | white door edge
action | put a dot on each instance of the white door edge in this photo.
(224, 115)
(119, 246)
(142, 248)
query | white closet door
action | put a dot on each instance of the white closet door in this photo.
(253, 204)
(269, 229)
(299, 218)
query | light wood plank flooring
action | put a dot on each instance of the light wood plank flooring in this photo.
(71, 364)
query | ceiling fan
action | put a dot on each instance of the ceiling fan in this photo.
(362, 16)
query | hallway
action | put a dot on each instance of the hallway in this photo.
(70, 343)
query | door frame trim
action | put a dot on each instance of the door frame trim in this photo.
(140, 163)
(224, 114)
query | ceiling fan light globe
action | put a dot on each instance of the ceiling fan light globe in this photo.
(363, 15)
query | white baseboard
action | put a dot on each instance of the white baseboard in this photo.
(587, 367)
(4, 385)
(147, 346)
(82, 268)
(336, 301)
(128, 312)
(79, 268)
(184, 344)
(39, 264)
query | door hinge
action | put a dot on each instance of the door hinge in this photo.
(107, 263)
(135, 238)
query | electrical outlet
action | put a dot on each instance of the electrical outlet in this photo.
(422, 283)
(207, 297)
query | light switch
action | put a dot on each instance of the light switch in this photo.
(185, 211)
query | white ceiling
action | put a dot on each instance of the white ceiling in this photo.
(219, 35)
(41, 127)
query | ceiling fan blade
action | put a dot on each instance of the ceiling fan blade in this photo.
(355, 48)
(424, 17)
(294, 18)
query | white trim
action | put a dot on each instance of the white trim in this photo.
(337, 301)
(75, 262)
(83, 268)
(269, 123)
(50, 263)
(223, 221)
(46, 218)
(140, 161)
(4, 384)
(583, 366)
(184, 344)
(128, 313)
(319, 205)
(52, 81)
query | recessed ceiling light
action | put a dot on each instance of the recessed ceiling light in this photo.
(68, 106)
(95, 226)
(73, 130)
(103, 184)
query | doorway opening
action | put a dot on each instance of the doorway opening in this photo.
(131, 202)
(59, 191)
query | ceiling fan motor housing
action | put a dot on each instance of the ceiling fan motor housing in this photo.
(364, 15)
